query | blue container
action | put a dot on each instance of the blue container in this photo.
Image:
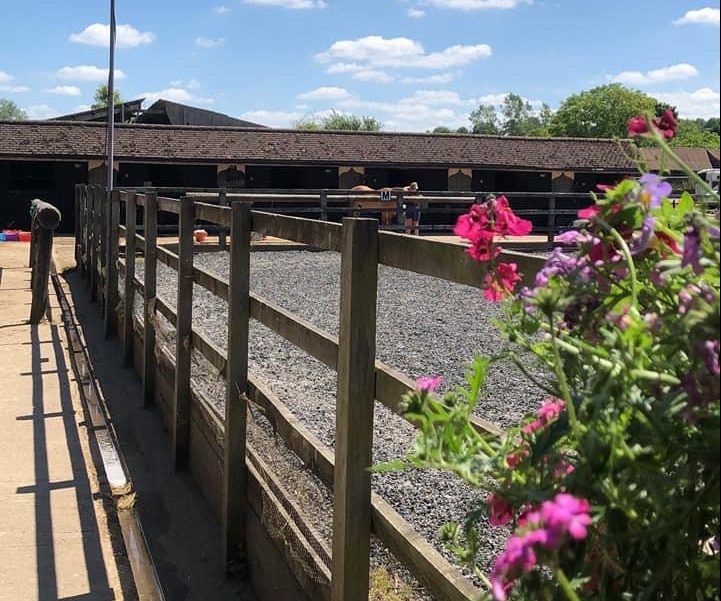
(2, 237)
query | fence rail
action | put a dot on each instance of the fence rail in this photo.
(243, 479)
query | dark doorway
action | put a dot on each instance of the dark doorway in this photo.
(427, 179)
(53, 182)
(164, 175)
(284, 177)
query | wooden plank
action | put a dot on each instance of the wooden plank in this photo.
(92, 242)
(113, 250)
(180, 431)
(446, 260)
(150, 223)
(169, 205)
(354, 410)
(234, 474)
(102, 244)
(131, 218)
(318, 234)
(222, 232)
(431, 568)
(212, 213)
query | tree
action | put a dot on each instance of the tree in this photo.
(484, 120)
(713, 124)
(441, 129)
(694, 133)
(602, 112)
(340, 121)
(9, 111)
(462, 130)
(101, 97)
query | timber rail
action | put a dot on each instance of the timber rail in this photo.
(236, 482)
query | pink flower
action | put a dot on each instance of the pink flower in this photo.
(501, 283)
(507, 223)
(667, 124)
(589, 212)
(428, 384)
(566, 515)
(550, 410)
(501, 512)
(484, 250)
(638, 125)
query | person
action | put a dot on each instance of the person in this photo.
(412, 217)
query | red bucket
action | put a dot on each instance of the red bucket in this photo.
(24, 236)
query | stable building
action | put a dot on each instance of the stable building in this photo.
(46, 159)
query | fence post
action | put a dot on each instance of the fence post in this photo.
(234, 474)
(111, 279)
(92, 237)
(45, 219)
(354, 410)
(85, 231)
(78, 231)
(103, 202)
(324, 205)
(400, 217)
(131, 217)
(183, 336)
(551, 221)
(149, 291)
(222, 234)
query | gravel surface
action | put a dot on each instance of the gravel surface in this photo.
(426, 326)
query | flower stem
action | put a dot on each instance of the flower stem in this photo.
(629, 260)
(563, 382)
(566, 585)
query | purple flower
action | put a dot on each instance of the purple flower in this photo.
(574, 237)
(428, 384)
(647, 231)
(711, 356)
(653, 190)
(560, 264)
(566, 515)
(692, 250)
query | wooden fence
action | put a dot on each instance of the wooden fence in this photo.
(238, 484)
(550, 212)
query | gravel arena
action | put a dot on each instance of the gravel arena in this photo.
(425, 326)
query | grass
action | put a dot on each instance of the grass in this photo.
(384, 587)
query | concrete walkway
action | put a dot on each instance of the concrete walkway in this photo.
(59, 537)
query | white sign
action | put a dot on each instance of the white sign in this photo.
(385, 195)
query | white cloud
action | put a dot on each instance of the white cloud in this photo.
(325, 93)
(655, 76)
(416, 13)
(701, 16)
(81, 108)
(376, 51)
(439, 79)
(477, 4)
(189, 84)
(360, 72)
(40, 111)
(203, 42)
(14, 89)
(222, 9)
(437, 97)
(65, 91)
(175, 95)
(273, 118)
(98, 34)
(87, 73)
(292, 4)
(703, 103)
(5, 77)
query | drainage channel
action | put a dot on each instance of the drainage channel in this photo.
(145, 574)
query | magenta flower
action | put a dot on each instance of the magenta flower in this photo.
(566, 515)
(429, 384)
(507, 223)
(654, 190)
(589, 212)
(667, 124)
(501, 283)
(637, 126)
(501, 511)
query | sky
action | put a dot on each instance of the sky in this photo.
(412, 64)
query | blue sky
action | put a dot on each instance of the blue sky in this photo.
(413, 64)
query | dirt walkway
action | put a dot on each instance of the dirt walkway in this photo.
(59, 537)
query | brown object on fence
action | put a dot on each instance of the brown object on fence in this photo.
(45, 219)
(262, 528)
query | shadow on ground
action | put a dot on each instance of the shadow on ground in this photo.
(184, 538)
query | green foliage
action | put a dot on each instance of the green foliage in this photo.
(518, 118)
(602, 112)
(695, 133)
(340, 122)
(101, 97)
(627, 331)
(484, 120)
(462, 130)
(9, 111)
(441, 129)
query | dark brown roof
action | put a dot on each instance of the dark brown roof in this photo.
(155, 143)
(696, 158)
